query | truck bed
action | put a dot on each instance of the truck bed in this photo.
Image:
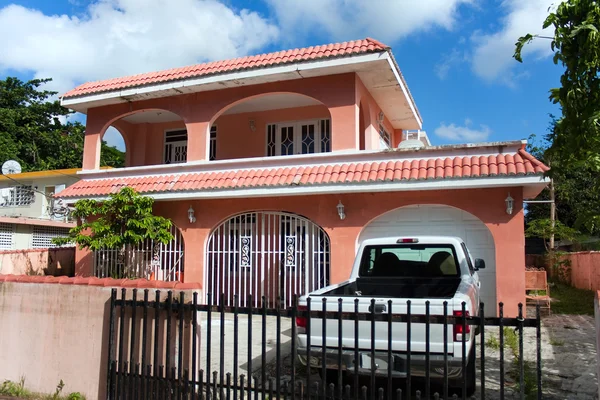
(409, 288)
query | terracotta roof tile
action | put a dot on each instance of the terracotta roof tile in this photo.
(344, 49)
(518, 164)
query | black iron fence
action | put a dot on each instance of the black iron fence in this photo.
(168, 347)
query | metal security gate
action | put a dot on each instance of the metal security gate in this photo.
(272, 254)
(149, 260)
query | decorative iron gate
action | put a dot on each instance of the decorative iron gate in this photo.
(272, 254)
(154, 261)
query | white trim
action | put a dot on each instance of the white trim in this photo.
(234, 76)
(404, 91)
(294, 190)
(334, 157)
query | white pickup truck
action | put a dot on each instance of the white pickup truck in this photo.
(437, 269)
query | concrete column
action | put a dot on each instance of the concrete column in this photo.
(344, 128)
(197, 141)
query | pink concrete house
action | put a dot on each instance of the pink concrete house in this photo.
(274, 167)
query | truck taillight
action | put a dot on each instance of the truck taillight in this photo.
(458, 326)
(301, 321)
(407, 240)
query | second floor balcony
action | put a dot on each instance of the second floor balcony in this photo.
(318, 101)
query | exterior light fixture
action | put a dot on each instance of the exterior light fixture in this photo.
(252, 125)
(191, 216)
(340, 210)
(510, 202)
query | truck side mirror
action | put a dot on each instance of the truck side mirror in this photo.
(479, 264)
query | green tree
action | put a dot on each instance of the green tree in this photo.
(576, 201)
(120, 222)
(575, 138)
(542, 228)
(32, 130)
(576, 47)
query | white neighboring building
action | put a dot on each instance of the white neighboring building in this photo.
(29, 215)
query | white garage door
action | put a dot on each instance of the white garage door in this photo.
(446, 221)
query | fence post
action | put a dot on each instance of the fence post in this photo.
(111, 334)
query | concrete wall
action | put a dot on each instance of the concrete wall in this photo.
(585, 268)
(58, 331)
(54, 262)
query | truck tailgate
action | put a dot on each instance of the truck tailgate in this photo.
(399, 329)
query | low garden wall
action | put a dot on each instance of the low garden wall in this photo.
(54, 261)
(56, 328)
(582, 268)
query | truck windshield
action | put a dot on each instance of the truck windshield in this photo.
(402, 260)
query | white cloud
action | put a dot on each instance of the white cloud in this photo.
(492, 56)
(463, 133)
(385, 20)
(450, 60)
(121, 37)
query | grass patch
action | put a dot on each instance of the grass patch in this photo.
(493, 343)
(17, 389)
(556, 342)
(511, 342)
(570, 300)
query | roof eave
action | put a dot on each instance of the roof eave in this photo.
(532, 184)
(290, 71)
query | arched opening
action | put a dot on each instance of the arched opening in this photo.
(277, 255)
(270, 124)
(147, 260)
(442, 220)
(113, 150)
(158, 136)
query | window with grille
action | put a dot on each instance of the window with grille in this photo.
(176, 147)
(212, 155)
(385, 140)
(7, 233)
(305, 137)
(17, 196)
(43, 235)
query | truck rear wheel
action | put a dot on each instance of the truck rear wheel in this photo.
(470, 375)
(471, 372)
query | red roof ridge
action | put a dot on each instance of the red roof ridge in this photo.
(523, 153)
(377, 42)
(264, 60)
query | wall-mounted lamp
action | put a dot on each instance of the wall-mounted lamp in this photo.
(340, 210)
(510, 202)
(191, 216)
(252, 125)
(381, 117)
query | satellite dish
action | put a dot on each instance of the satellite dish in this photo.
(11, 167)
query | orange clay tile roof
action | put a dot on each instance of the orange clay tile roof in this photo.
(334, 50)
(520, 163)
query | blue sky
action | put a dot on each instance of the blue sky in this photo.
(455, 54)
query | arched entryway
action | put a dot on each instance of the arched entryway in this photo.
(277, 255)
(442, 220)
(148, 260)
